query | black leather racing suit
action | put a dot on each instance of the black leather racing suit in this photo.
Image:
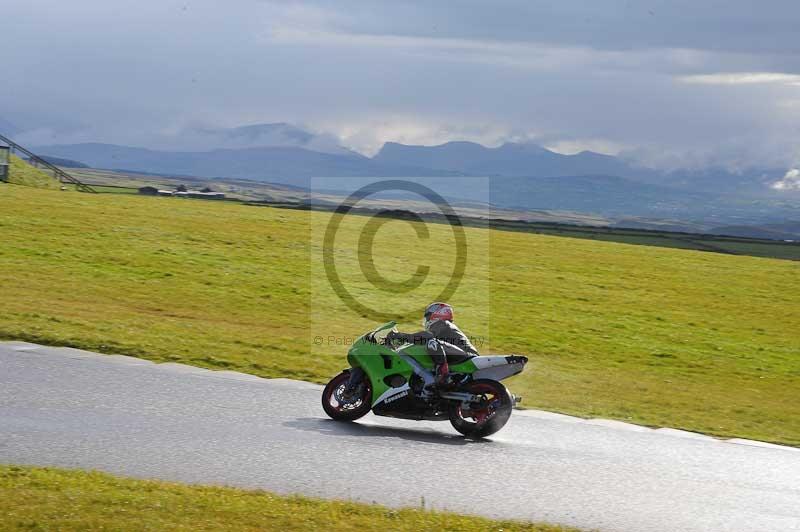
(445, 343)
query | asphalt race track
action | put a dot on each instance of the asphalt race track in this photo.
(71, 408)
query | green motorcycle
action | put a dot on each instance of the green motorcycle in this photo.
(396, 379)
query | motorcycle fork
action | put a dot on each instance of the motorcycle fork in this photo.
(356, 376)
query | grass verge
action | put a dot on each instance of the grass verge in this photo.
(34, 498)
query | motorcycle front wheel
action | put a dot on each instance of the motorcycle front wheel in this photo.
(486, 416)
(343, 406)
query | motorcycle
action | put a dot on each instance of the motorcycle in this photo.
(396, 379)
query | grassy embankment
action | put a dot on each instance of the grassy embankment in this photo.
(664, 337)
(21, 173)
(57, 499)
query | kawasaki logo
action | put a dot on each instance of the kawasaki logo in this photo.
(396, 397)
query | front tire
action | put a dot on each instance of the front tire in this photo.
(479, 420)
(342, 408)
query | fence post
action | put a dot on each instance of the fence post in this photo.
(4, 162)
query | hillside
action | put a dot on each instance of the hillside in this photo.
(281, 164)
(626, 229)
(530, 160)
(784, 231)
(66, 163)
(665, 337)
(285, 153)
(21, 173)
(510, 159)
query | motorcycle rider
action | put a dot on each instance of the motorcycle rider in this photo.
(443, 340)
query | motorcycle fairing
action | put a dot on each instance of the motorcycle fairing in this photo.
(496, 367)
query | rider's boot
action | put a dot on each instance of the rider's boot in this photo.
(443, 381)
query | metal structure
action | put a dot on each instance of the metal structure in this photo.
(37, 161)
(4, 161)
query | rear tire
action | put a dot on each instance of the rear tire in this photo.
(486, 418)
(346, 409)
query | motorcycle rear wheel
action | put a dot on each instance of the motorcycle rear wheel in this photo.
(487, 417)
(348, 409)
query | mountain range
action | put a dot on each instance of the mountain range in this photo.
(286, 153)
(510, 159)
(522, 175)
(279, 164)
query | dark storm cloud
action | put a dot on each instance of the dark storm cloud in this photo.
(729, 25)
(673, 82)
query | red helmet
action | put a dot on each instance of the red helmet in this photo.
(437, 312)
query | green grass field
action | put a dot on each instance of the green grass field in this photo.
(702, 242)
(556, 223)
(57, 499)
(664, 337)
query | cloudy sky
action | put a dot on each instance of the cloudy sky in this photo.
(670, 82)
